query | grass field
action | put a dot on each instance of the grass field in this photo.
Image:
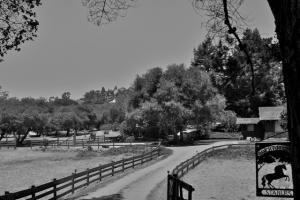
(227, 174)
(21, 168)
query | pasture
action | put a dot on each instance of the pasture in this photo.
(225, 174)
(24, 167)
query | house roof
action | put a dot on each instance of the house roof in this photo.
(247, 120)
(270, 113)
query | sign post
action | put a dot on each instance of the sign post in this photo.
(273, 169)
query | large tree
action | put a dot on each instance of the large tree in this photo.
(230, 74)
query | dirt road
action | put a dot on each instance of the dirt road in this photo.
(137, 185)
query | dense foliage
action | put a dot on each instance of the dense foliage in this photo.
(230, 73)
(17, 23)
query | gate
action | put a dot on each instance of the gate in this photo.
(175, 188)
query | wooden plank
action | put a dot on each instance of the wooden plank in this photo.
(39, 196)
(106, 169)
(64, 186)
(80, 179)
(83, 173)
(22, 193)
(80, 186)
(64, 193)
(63, 180)
(45, 186)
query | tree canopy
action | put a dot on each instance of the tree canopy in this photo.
(18, 23)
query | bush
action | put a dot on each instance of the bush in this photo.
(106, 127)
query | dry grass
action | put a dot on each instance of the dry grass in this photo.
(225, 174)
(21, 168)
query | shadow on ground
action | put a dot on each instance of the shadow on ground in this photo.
(110, 197)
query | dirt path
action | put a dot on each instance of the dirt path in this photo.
(139, 184)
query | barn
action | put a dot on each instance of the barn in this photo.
(250, 127)
(267, 125)
(270, 118)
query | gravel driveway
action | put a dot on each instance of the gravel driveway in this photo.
(138, 185)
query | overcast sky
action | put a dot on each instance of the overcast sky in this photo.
(70, 54)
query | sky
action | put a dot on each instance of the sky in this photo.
(71, 54)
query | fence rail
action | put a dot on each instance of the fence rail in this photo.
(97, 142)
(175, 188)
(58, 188)
(181, 169)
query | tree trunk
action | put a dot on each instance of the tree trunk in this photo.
(287, 21)
(21, 139)
(68, 133)
(2, 135)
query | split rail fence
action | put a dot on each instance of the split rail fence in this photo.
(176, 186)
(181, 169)
(58, 188)
(98, 142)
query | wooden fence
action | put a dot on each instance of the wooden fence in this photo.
(175, 188)
(175, 185)
(58, 188)
(97, 142)
(190, 163)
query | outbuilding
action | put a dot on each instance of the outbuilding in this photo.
(250, 127)
(270, 118)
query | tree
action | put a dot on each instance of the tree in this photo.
(174, 118)
(229, 72)
(17, 23)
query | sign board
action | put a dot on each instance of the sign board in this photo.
(273, 169)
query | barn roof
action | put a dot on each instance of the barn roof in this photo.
(247, 120)
(270, 113)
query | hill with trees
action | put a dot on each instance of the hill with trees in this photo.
(162, 101)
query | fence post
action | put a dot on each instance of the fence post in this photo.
(112, 168)
(151, 154)
(168, 187)
(54, 188)
(33, 192)
(87, 176)
(123, 163)
(73, 181)
(190, 194)
(15, 146)
(132, 161)
(98, 143)
(100, 172)
(142, 161)
(8, 196)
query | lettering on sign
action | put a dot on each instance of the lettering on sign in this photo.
(273, 169)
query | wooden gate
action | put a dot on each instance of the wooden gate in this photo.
(177, 188)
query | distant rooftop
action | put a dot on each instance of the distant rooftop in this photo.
(270, 113)
(247, 120)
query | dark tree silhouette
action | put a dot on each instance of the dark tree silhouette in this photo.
(17, 23)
